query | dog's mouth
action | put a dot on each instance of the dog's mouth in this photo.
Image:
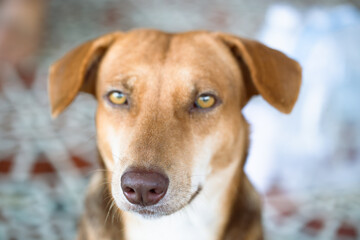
(193, 196)
(161, 210)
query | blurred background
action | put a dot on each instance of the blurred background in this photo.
(306, 165)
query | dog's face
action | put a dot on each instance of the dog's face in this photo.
(161, 127)
(169, 108)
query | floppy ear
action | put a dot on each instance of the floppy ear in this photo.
(266, 71)
(76, 71)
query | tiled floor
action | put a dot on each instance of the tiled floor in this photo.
(44, 165)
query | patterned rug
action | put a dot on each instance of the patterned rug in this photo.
(45, 164)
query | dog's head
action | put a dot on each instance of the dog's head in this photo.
(169, 107)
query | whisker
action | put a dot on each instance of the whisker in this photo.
(107, 215)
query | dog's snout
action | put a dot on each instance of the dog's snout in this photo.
(143, 187)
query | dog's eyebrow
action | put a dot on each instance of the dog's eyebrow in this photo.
(200, 88)
(123, 81)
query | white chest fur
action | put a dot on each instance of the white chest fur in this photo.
(194, 222)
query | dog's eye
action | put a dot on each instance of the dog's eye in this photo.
(117, 98)
(205, 101)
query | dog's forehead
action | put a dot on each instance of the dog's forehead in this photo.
(192, 55)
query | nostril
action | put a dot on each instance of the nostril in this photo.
(129, 190)
(144, 187)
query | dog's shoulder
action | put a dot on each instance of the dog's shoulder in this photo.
(245, 218)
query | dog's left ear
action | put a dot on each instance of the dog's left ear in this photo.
(76, 71)
(266, 71)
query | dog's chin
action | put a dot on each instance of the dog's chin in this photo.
(154, 211)
(149, 211)
(161, 210)
(148, 214)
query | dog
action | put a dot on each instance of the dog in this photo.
(171, 136)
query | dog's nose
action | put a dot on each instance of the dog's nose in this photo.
(144, 188)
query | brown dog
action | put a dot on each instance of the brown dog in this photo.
(170, 131)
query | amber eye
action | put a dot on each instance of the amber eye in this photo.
(117, 98)
(205, 101)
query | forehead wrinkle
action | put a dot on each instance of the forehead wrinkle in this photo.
(161, 80)
(147, 47)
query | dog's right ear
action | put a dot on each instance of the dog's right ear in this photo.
(76, 71)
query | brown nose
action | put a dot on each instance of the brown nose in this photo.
(144, 188)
